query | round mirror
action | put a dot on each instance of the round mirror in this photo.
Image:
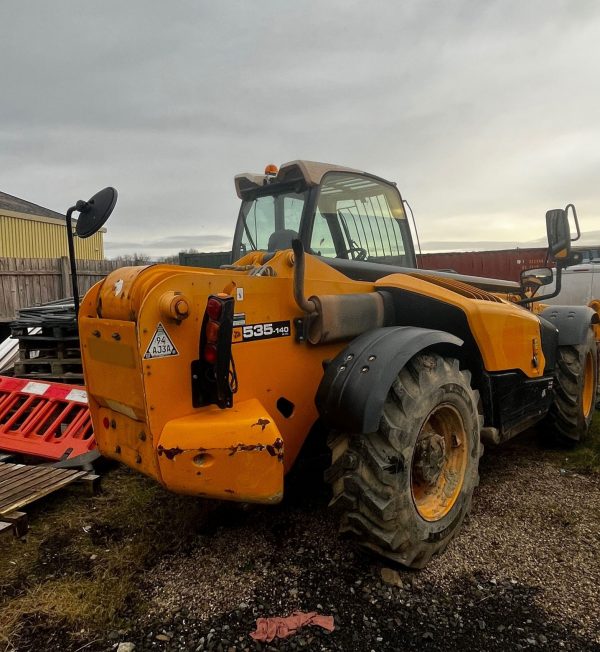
(96, 212)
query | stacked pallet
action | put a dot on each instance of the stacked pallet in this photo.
(48, 343)
(22, 484)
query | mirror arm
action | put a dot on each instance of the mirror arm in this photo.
(72, 256)
(559, 268)
(576, 221)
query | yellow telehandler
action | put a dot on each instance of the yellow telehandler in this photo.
(210, 380)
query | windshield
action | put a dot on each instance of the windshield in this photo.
(356, 218)
(271, 222)
(359, 218)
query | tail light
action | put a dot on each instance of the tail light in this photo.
(213, 374)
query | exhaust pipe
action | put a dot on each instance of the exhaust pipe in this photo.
(307, 305)
(335, 317)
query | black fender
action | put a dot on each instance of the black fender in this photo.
(572, 322)
(356, 382)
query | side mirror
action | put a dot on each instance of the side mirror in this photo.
(559, 246)
(95, 212)
(559, 234)
(532, 279)
(92, 216)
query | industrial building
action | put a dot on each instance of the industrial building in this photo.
(31, 231)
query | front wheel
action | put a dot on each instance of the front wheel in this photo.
(404, 490)
(571, 412)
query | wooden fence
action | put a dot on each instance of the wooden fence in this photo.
(28, 282)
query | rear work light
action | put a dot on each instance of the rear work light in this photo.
(213, 374)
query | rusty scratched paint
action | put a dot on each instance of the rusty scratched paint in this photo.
(274, 449)
(263, 423)
(246, 448)
(169, 453)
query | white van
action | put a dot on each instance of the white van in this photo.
(580, 284)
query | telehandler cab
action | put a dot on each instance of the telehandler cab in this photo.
(211, 380)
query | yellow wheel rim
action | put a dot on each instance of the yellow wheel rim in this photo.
(588, 384)
(439, 463)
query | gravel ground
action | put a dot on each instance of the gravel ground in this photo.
(523, 574)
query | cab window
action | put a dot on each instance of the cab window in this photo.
(270, 222)
(359, 218)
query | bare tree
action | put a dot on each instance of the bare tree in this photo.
(134, 259)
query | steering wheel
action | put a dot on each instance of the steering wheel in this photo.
(361, 254)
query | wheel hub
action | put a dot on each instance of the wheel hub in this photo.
(430, 458)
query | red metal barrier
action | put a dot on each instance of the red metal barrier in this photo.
(49, 420)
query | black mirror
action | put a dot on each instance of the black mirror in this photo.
(532, 279)
(95, 212)
(92, 216)
(559, 234)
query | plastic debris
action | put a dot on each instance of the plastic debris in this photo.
(268, 629)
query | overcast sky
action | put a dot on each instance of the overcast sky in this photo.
(485, 113)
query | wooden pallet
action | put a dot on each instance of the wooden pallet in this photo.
(22, 484)
(52, 353)
(65, 331)
(50, 367)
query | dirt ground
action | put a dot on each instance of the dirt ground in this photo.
(138, 565)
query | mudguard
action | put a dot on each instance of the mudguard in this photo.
(572, 322)
(356, 382)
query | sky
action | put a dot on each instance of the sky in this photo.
(484, 113)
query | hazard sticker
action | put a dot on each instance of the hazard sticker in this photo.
(161, 345)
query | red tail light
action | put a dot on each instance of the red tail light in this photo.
(214, 308)
(212, 332)
(213, 374)
(210, 353)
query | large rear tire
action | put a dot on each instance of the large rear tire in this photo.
(404, 490)
(571, 412)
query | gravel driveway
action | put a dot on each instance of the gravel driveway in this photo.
(523, 574)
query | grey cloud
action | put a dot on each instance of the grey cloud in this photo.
(171, 244)
(485, 113)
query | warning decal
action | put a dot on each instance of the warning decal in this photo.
(160, 345)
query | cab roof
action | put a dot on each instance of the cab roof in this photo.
(309, 172)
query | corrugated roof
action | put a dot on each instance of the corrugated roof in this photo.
(11, 203)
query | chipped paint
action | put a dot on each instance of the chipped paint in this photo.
(263, 423)
(273, 449)
(246, 448)
(169, 453)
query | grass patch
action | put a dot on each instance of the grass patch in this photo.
(83, 560)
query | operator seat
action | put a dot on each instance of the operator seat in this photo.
(281, 240)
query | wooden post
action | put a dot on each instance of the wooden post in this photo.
(65, 276)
